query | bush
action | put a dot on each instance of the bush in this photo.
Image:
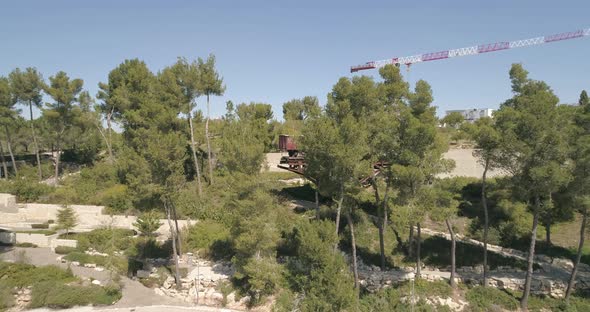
(6, 297)
(60, 296)
(21, 275)
(486, 298)
(26, 245)
(40, 226)
(119, 264)
(116, 199)
(148, 223)
(150, 248)
(104, 239)
(211, 238)
(45, 232)
(64, 250)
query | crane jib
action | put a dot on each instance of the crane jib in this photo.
(483, 48)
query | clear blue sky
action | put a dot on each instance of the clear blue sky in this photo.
(274, 51)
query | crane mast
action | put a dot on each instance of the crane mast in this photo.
(478, 49)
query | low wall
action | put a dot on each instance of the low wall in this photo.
(64, 242)
(40, 240)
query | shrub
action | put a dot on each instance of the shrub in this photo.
(210, 237)
(57, 295)
(150, 248)
(21, 275)
(104, 239)
(66, 218)
(45, 232)
(26, 245)
(485, 298)
(116, 198)
(40, 226)
(30, 190)
(64, 250)
(264, 277)
(148, 223)
(119, 264)
(6, 297)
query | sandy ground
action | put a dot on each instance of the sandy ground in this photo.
(466, 165)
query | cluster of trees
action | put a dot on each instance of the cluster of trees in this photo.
(375, 142)
(67, 119)
(368, 124)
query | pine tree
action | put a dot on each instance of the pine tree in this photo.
(66, 218)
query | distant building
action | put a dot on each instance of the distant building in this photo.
(471, 115)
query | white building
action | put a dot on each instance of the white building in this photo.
(473, 114)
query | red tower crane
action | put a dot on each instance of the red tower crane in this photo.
(478, 49)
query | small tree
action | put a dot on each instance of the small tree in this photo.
(148, 223)
(66, 218)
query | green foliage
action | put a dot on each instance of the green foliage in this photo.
(241, 150)
(60, 296)
(301, 109)
(66, 218)
(489, 298)
(39, 226)
(453, 120)
(26, 245)
(104, 240)
(6, 297)
(207, 237)
(265, 276)
(119, 264)
(64, 250)
(390, 299)
(22, 275)
(318, 271)
(148, 223)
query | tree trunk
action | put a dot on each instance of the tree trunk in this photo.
(3, 162)
(9, 143)
(317, 203)
(194, 152)
(172, 232)
(548, 233)
(57, 157)
(353, 243)
(411, 242)
(380, 224)
(399, 240)
(110, 137)
(209, 145)
(419, 242)
(35, 141)
(529, 273)
(338, 209)
(484, 202)
(453, 245)
(570, 284)
(178, 238)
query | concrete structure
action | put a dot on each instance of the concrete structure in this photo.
(7, 237)
(473, 114)
(20, 216)
(8, 203)
(42, 240)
